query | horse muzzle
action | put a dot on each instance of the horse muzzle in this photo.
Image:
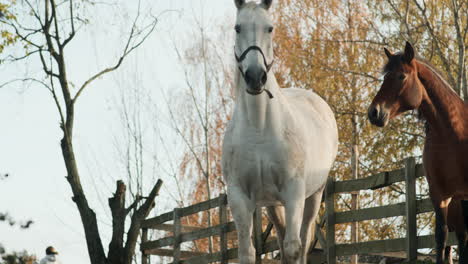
(377, 116)
(255, 77)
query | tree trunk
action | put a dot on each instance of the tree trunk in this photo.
(117, 206)
(88, 217)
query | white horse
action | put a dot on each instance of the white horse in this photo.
(279, 145)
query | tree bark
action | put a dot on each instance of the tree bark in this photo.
(138, 216)
(88, 217)
(117, 206)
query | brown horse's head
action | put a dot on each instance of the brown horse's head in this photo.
(401, 89)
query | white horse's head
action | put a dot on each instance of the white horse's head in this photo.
(254, 45)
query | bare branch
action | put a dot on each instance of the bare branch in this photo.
(127, 50)
(45, 67)
(36, 15)
(25, 80)
(12, 58)
(350, 72)
(429, 27)
(72, 21)
(190, 86)
(54, 15)
(20, 35)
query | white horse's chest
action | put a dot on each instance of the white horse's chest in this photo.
(262, 163)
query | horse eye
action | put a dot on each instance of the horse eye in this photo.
(270, 29)
(237, 28)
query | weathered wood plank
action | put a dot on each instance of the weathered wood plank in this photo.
(231, 254)
(330, 215)
(399, 209)
(189, 210)
(371, 213)
(223, 219)
(257, 232)
(429, 241)
(424, 206)
(411, 222)
(211, 231)
(267, 232)
(177, 232)
(320, 237)
(420, 171)
(170, 228)
(379, 180)
(389, 245)
(144, 238)
(164, 252)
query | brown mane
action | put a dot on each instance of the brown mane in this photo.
(451, 109)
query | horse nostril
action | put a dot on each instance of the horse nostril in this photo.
(373, 113)
(249, 76)
(264, 77)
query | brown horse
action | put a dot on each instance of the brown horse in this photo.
(412, 83)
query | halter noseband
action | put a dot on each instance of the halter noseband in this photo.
(267, 66)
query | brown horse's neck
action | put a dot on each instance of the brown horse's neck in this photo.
(444, 111)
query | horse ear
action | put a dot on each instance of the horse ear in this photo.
(409, 53)
(388, 53)
(267, 4)
(239, 3)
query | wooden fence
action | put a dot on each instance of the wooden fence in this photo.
(410, 208)
(182, 233)
(265, 244)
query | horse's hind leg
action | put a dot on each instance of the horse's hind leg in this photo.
(462, 234)
(294, 208)
(462, 247)
(242, 209)
(448, 255)
(311, 209)
(276, 216)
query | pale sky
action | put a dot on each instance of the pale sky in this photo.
(29, 137)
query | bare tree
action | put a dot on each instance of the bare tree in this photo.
(54, 25)
(201, 117)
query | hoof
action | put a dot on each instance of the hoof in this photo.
(292, 250)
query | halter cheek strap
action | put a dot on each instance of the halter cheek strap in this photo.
(267, 66)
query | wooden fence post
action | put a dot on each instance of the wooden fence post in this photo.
(223, 219)
(330, 215)
(411, 224)
(257, 221)
(177, 231)
(144, 238)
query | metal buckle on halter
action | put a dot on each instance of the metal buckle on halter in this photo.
(267, 66)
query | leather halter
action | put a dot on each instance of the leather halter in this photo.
(267, 66)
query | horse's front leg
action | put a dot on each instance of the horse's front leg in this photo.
(441, 228)
(242, 209)
(276, 216)
(311, 209)
(294, 208)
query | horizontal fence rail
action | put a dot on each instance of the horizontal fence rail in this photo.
(189, 210)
